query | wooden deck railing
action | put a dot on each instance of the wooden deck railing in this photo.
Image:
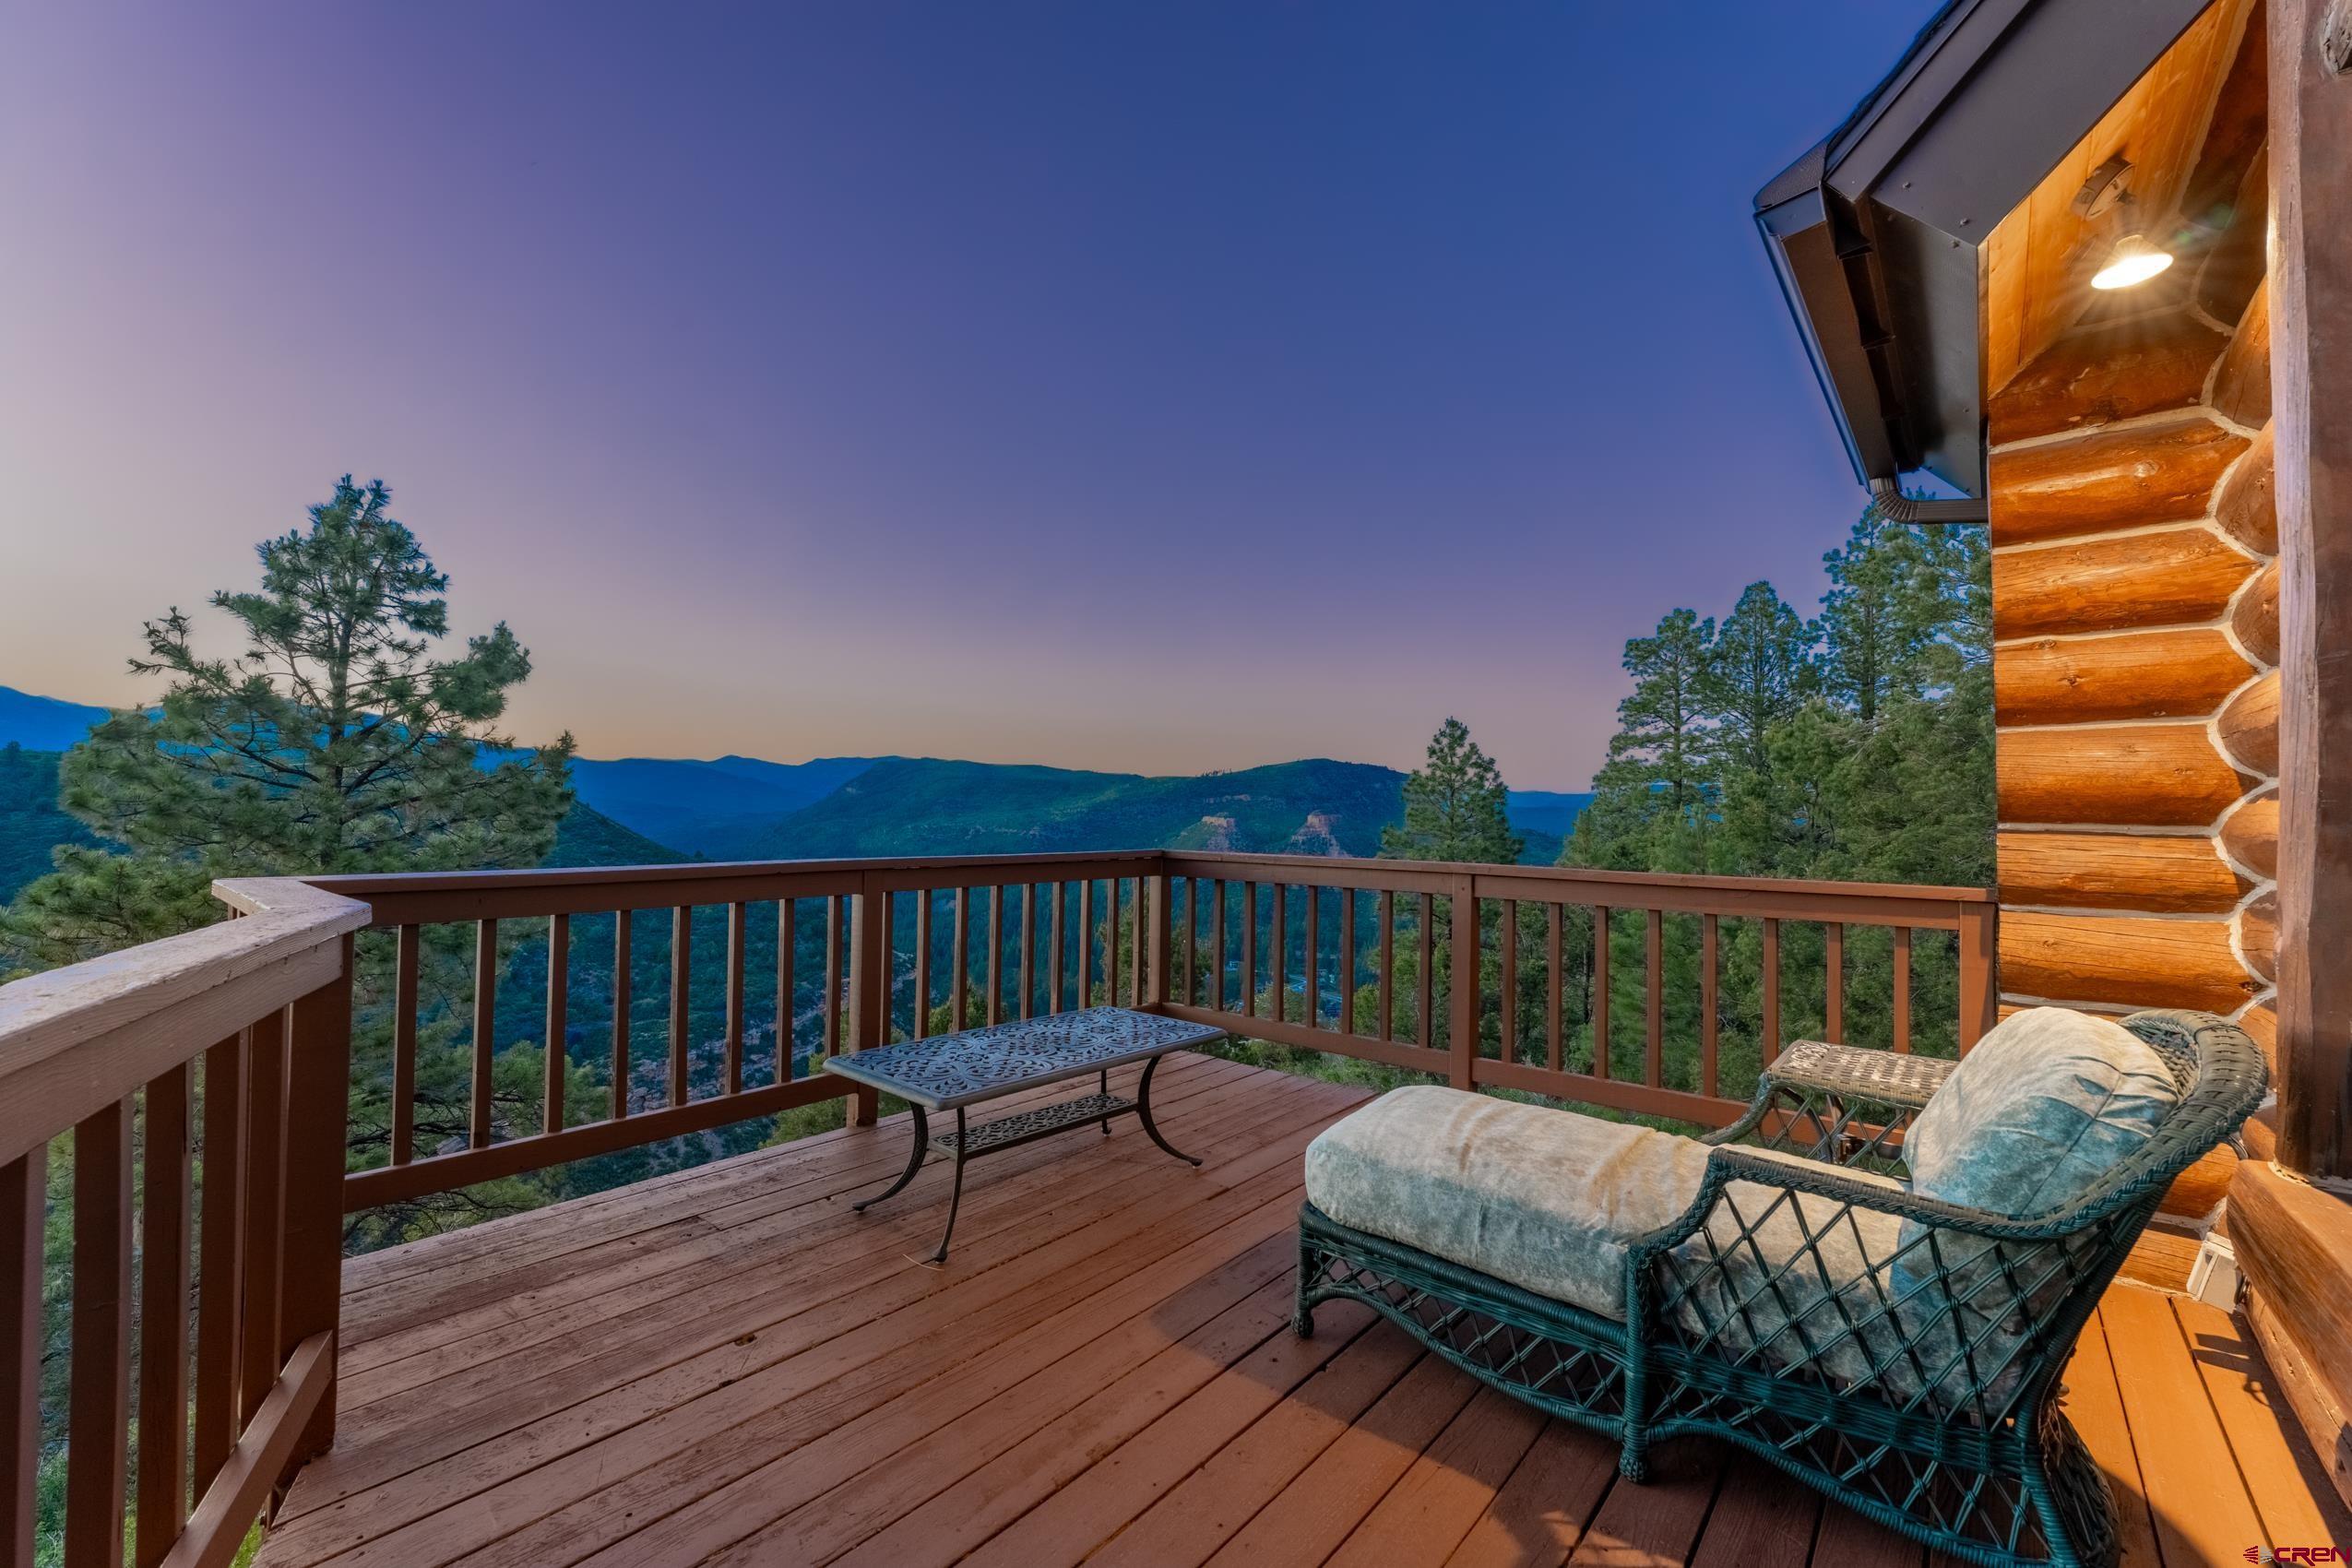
(230, 1040)
(220, 1062)
(1483, 1034)
(1027, 957)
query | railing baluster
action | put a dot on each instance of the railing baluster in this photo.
(1277, 953)
(960, 993)
(738, 940)
(1143, 950)
(1424, 1023)
(264, 1210)
(1600, 990)
(1834, 993)
(681, 985)
(1507, 1005)
(405, 956)
(621, 1003)
(1902, 988)
(1249, 949)
(886, 910)
(1183, 891)
(1555, 1020)
(1710, 1084)
(99, 1397)
(1086, 943)
(787, 1006)
(1314, 897)
(1028, 949)
(1387, 963)
(1771, 1043)
(1061, 894)
(923, 962)
(485, 1043)
(24, 1183)
(1217, 952)
(1654, 1063)
(1110, 943)
(559, 975)
(996, 954)
(220, 1260)
(835, 909)
(1346, 972)
(165, 1195)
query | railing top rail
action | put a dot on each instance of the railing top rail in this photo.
(126, 1017)
(359, 887)
(1787, 885)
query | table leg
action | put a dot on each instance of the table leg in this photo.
(914, 1162)
(1106, 1094)
(954, 1193)
(1143, 1113)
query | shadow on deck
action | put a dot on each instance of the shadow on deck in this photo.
(728, 1366)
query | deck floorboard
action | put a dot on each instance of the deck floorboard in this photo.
(726, 1366)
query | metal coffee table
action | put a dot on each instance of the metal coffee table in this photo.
(955, 1072)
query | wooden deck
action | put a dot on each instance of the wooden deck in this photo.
(726, 1366)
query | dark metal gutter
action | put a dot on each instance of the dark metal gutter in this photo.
(1875, 235)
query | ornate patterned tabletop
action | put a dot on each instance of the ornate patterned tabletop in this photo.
(952, 1072)
(948, 1071)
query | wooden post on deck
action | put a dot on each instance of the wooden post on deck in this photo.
(318, 1079)
(2310, 290)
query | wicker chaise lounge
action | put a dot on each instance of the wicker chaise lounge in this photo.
(1874, 1279)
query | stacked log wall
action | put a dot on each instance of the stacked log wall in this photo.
(2135, 627)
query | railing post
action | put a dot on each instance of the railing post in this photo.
(1161, 944)
(1461, 1003)
(1980, 969)
(318, 1078)
(869, 988)
(24, 1187)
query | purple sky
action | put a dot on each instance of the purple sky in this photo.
(1158, 388)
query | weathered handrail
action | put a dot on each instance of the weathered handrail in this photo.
(112, 1046)
(1466, 1056)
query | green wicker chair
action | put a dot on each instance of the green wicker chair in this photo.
(1920, 1388)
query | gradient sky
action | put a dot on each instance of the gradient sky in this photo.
(1159, 387)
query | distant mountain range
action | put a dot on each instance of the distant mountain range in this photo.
(651, 810)
(716, 808)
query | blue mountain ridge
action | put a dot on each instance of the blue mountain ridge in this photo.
(741, 807)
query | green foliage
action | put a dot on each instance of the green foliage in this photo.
(336, 741)
(1455, 806)
(31, 824)
(1857, 748)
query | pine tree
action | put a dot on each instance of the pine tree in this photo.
(1455, 806)
(338, 741)
(1761, 669)
(1904, 612)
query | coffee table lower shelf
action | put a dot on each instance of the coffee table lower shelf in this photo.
(971, 1140)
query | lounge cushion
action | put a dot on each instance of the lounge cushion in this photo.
(1550, 1201)
(2044, 1105)
(1544, 1199)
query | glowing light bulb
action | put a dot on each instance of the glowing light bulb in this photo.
(2134, 261)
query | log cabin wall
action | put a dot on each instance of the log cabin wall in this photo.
(2135, 604)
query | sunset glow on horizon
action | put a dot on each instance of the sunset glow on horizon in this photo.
(1141, 388)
